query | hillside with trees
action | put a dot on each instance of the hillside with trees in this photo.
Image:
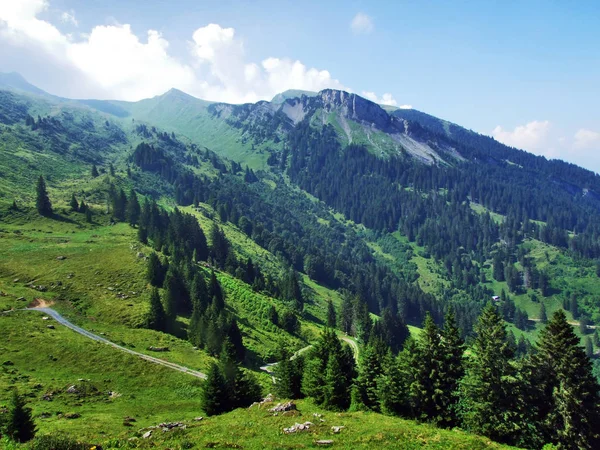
(431, 275)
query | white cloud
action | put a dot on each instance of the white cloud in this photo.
(405, 107)
(386, 99)
(112, 62)
(362, 24)
(69, 17)
(531, 136)
(586, 139)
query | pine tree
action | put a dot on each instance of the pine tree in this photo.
(543, 314)
(214, 396)
(43, 204)
(572, 418)
(451, 371)
(288, 373)
(589, 347)
(371, 369)
(346, 314)
(18, 424)
(336, 392)
(155, 272)
(331, 316)
(392, 387)
(133, 209)
(119, 201)
(242, 388)
(215, 292)
(94, 171)
(490, 399)
(111, 169)
(74, 204)
(14, 206)
(157, 319)
(199, 293)
(171, 298)
(426, 383)
(88, 215)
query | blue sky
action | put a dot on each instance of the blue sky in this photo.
(525, 72)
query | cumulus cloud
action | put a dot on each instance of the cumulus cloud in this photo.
(586, 139)
(362, 24)
(110, 61)
(386, 99)
(531, 136)
(69, 17)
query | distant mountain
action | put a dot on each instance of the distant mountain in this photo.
(13, 80)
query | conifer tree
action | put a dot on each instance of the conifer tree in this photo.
(337, 392)
(288, 373)
(425, 388)
(371, 369)
(215, 292)
(43, 204)
(214, 397)
(74, 204)
(133, 209)
(111, 169)
(331, 316)
(14, 206)
(94, 171)
(199, 293)
(572, 418)
(543, 313)
(589, 347)
(451, 371)
(155, 272)
(157, 319)
(171, 298)
(393, 390)
(88, 214)
(18, 424)
(490, 399)
(119, 201)
(242, 388)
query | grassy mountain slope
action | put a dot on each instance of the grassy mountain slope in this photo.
(303, 210)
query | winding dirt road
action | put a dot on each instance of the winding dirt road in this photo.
(41, 306)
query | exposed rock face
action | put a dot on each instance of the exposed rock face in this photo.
(282, 407)
(298, 427)
(355, 107)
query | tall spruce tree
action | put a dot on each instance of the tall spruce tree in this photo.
(425, 389)
(393, 389)
(489, 393)
(74, 204)
(94, 171)
(371, 369)
(44, 207)
(572, 418)
(133, 209)
(157, 318)
(331, 315)
(543, 313)
(214, 398)
(452, 370)
(18, 424)
(288, 373)
(155, 272)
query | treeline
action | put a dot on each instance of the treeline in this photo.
(527, 400)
